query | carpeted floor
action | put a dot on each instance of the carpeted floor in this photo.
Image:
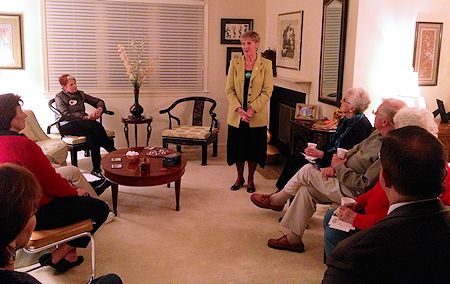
(218, 236)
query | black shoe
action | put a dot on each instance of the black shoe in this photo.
(236, 186)
(62, 266)
(102, 187)
(251, 189)
(96, 183)
(97, 173)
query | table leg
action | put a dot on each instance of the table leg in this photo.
(177, 193)
(125, 129)
(135, 134)
(114, 193)
(149, 131)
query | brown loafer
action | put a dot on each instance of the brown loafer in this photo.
(283, 244)
(263, 201)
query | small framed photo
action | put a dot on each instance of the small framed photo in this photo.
(303, 111)
(233, 52)
(231, 30)
(11, 49)
(427, 49)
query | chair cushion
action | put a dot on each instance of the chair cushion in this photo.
(73, 140)
(188, 131)
(45, 237)
(54, 149)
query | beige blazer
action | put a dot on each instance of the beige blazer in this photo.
(259, 91)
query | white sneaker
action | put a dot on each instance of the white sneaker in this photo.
(110, 217)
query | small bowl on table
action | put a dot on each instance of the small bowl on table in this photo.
(132, 156)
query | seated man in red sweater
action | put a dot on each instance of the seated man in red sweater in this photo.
(373, 206)
(61, 204)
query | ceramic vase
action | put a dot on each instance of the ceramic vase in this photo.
(136, 109)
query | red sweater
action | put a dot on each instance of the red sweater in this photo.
(376, 204)
(23, 151)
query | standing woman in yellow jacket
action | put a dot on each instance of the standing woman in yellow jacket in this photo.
(248, 90)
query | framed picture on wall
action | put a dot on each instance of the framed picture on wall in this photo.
(289, 40)
(233, 52)
(231, 30)
(427, 49)
(11, 42)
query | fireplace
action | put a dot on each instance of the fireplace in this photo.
(282, 110)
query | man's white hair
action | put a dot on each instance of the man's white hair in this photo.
(413, 116)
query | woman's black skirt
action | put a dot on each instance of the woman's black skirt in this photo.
(247, 144)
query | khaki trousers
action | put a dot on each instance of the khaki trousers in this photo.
(76, 178)
(309, 187)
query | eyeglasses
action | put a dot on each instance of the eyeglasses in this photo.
(345, 101)
(377, 112)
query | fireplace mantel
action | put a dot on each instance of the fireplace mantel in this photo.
(302, 87)
(286, 94)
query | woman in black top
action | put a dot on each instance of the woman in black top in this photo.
(353, 128)
(75, 121)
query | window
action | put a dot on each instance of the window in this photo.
(82, 38)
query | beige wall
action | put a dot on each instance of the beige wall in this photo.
(385, 44)
(380, 42)
(379, 46)
(29, 83)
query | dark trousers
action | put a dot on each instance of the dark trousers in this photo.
(96, 137)
(65, 211)
(293, 165)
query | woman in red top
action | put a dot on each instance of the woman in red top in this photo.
(60, 204)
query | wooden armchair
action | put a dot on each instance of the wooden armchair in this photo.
(74, 143)
(195, 133)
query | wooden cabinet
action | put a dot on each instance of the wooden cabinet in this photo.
(444, 136)
(301, 132)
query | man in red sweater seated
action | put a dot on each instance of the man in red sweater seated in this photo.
(373, 206)
(60, 204)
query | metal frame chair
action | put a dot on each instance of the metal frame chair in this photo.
(45, 239)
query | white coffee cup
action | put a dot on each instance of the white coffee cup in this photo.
(347, 201)
(312, 145)
(341, 152)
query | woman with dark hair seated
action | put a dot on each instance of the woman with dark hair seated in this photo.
(60, 204)
(20, 194)
(75, 121)
(353, 128)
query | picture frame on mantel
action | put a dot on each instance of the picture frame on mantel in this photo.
(231, 30)
(289, 40)
(11, 46)
(427, 49)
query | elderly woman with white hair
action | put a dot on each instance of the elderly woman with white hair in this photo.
(353, 128)
(373, 205)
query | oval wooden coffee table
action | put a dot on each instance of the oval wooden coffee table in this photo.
(131, 175)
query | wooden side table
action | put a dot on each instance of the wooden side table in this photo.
(301, 132)
(444, 137)
(140, 120)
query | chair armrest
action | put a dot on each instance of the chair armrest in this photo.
(108, 112)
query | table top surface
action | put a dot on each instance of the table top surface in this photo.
(130, 173)
(137, 120)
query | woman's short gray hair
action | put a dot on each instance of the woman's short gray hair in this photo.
(358, 98)
(252, 35)
(414, 116)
